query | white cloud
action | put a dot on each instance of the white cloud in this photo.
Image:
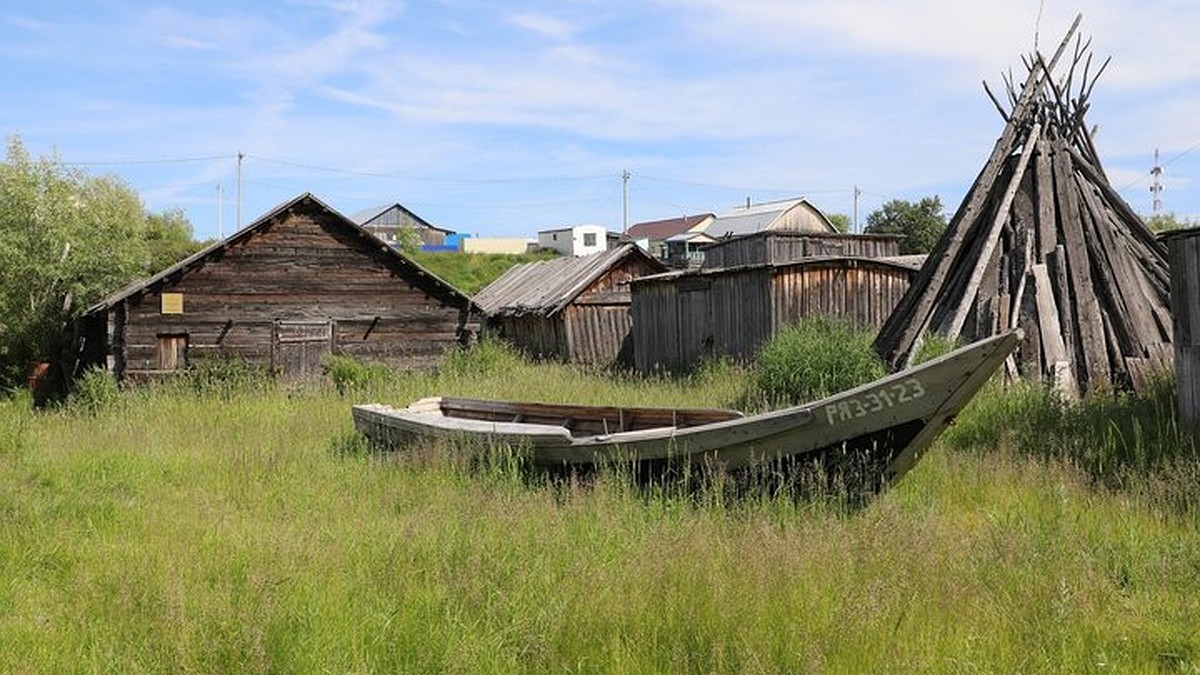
(543, 25)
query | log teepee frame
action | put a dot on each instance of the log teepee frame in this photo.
(1043, 242)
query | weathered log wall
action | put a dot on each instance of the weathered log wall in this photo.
(304, 286)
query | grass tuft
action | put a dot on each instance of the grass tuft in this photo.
(811, 360)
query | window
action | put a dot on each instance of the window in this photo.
(589, 238)
(172, 351)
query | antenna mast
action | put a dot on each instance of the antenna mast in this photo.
(1156, 186)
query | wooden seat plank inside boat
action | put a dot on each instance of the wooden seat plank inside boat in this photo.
(582, 420)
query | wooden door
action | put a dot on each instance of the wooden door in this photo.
(172, 351)
(695, 323)
(300, 347)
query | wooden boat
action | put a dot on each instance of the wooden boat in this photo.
(881, 427)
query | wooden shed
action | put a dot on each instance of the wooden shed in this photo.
(569, 309)
(680, 318)
(298, 284)
(781, 246)
(1183, 247)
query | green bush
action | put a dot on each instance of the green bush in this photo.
(813, 359)
(94, 391)
(351, 375)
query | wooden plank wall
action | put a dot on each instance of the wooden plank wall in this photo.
(656, 331)
(866, 294)
(679, 321)
(741, 318)
(538, 336)
(1184, 256)
(783, 247)
(300, 269)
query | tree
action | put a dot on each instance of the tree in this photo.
(1165, 222)
(66, 240)
(169, 239)
(921, 224)
(840, 221)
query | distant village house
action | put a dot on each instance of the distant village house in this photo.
(579, 240)
(388, 222)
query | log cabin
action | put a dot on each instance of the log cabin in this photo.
(300, 283)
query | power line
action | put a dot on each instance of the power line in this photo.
(393, 176)
(735, 188)
(165, 160)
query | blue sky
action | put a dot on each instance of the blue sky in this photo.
(503, 118)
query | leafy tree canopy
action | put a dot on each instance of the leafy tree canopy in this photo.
(169, 239)
(1165, 222)
(66, 240)
(841, 221)
(921, 223)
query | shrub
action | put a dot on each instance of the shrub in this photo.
(814, 359)
(94, 391)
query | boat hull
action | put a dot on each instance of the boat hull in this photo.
(882, 427)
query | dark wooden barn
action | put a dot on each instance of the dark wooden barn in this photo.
(1183, 247)
(681, 318)
(781, 246)
(300, 283)
(569, 309)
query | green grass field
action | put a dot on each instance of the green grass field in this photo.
(175, 530)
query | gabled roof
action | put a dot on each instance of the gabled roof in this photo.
(305, 202)
(759, 217)
(548, 286)
(365, 217)
(661, 230)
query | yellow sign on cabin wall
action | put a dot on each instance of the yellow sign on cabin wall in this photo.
(172, 303)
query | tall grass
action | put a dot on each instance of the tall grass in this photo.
(812, 359)
(189, 530)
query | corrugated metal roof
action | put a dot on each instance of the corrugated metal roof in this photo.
(547, 286)
(367, 215)
(751, 219)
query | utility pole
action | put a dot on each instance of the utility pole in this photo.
(220, 233)
(1156, 186)
(241, 156)
(857, 192)
(625, 201)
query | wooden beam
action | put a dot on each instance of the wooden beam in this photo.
(954, 326)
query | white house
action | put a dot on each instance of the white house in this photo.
(576, 241)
